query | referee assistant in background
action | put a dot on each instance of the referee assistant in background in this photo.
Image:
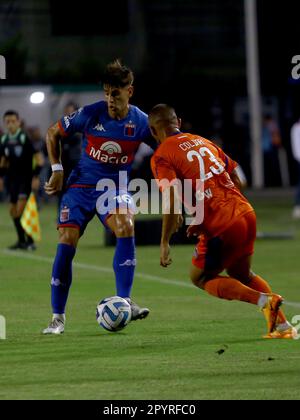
(21, 164)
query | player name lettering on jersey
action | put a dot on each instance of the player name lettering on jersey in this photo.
(187, 145)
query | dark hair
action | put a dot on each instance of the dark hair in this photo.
(117, 75)
(72, 104)
(163, 113)
(10, 113)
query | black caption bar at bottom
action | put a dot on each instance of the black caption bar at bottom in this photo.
(143, 408)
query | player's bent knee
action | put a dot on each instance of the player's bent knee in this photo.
(196, 276)
(122, 225)
(69, 236)
(198, 282)
(200, 277)
(125, 231)
(243, 277)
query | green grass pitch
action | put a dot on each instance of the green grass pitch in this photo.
(174, 354)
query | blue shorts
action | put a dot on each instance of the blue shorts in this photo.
(79, 206)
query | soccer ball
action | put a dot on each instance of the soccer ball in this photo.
(113, 313)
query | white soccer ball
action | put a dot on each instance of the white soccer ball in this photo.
(113, 313)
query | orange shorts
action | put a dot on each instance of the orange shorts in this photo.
(226, 250)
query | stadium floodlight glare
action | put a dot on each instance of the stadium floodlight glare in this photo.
(37, 97)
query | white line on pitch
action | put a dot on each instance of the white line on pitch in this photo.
(99, 269)
(292, 304)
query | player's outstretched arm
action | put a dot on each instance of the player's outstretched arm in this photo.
(55, 183)
(172, 221)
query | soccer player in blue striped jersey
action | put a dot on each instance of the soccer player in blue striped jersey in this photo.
(112, 132)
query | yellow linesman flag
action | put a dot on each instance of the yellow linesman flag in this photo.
(30, 219)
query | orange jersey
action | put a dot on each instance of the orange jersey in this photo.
(188, 156)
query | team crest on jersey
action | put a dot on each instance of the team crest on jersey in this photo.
(64, 214)
(130, 129)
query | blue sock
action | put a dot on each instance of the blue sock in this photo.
(61, 277)
(124, 266)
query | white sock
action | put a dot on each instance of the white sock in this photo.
(61, 317)
(262, 300)
(283, 327)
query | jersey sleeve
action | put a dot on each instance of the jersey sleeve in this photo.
(162, 171)
(230, 164)
(148, 139)
(74, 123)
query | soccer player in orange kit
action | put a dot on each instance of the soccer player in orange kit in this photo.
(228, 231)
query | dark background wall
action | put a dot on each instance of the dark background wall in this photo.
(190, 53)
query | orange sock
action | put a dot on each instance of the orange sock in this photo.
(281, 318)
(259, 284)
(231, 289)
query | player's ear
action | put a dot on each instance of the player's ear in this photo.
(153, 131)
(131, 91)
(179, 120)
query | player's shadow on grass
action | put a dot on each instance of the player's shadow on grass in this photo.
(242, 341)
(103, 334)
